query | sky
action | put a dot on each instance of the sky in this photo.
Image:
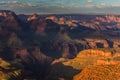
(61, 6)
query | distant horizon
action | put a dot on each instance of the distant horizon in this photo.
(68, 13)
(61, 6)
(80, 13)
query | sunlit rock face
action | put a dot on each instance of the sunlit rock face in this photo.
(96, 43)
(53, 18)
(5, 13)
(102, 43)
(32, 17)
(116, 44)
(100, 72)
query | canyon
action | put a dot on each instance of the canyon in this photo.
(31, 46)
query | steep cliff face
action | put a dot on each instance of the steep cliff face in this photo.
(10, 20)
(110, 72)
(96, 43)
(103, 43)
(88, 64)
(64, 41)
(70, 49)
(8, 14)
(4, 13)
(32, 17)
(52, 37)
(116, 43)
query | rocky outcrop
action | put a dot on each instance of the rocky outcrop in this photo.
(32, 17)
(53, 18)
(116, 43)
(96, 43)
(103, 43)
(35, 62)
(92, 52)
(10, 21)
(110, 72)
(52, 37)
(5, 13)
(104, 62)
